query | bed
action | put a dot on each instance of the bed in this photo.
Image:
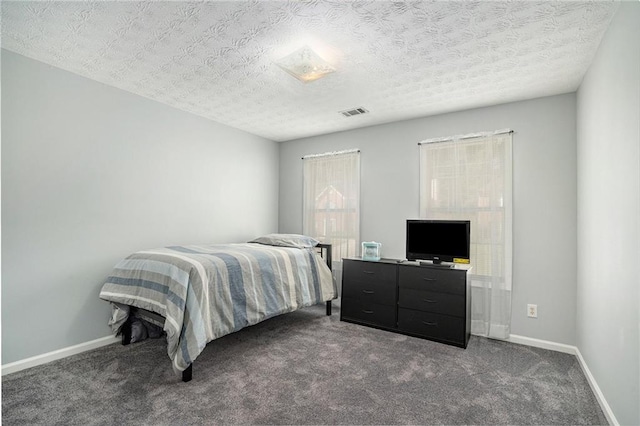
(199, 293)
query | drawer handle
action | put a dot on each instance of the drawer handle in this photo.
(429, 279)
(367, 312)
(431, 324)
(368, 272)
(429, 301)
(368, 291)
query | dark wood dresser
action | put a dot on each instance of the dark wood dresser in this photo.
(430, 302)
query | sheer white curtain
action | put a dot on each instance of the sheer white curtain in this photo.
(331, 200)
(470, 178)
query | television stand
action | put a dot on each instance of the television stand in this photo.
(437, 265)
(432, 302)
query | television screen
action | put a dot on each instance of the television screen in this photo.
(438, 240)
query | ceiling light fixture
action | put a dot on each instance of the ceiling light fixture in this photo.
(305, 65)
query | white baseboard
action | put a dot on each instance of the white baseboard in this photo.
(544, 344)
(23, 364)
(573, 350)
(606, 409)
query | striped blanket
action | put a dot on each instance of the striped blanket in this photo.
(206, 292)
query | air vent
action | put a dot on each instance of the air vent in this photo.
(355, 111)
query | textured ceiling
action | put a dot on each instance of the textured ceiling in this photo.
(398, 60)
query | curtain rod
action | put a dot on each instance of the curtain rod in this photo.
(326, 154)
(467, 136)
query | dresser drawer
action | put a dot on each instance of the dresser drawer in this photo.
(436, 326)
(383, 293)
(428, 301)
(370, 313)
(433, 279)
(368, 272)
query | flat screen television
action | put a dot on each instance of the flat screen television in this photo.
(438, 240)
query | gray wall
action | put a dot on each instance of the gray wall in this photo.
(608, 325)
(91, 173)
(544, 148)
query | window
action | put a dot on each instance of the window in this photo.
(470, 178)
(331, 200)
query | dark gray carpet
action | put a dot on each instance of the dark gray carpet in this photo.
(306, 368)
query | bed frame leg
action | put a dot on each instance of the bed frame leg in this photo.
(187, 374)
(125, 331)
(328, 307)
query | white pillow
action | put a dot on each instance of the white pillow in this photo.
(287, 240)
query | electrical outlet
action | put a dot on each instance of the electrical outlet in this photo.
(532, 311)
